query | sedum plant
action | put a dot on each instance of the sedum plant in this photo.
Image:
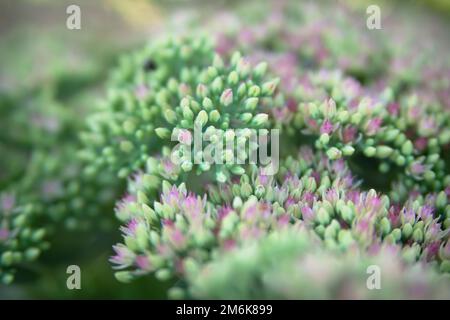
(363, 178)
(293, 265)
(325, 205)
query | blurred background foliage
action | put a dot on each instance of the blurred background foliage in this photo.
(44, 63)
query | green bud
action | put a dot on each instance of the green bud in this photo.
(251, 103)
(370, 151)
(324, 138)
(242, 90)
(400, 161)
(186, 166)
(32, 254)
(218, 62)
(246, 190)
(202, 118)
(149, 212)
(187, 113)
(207, 103)
(330, 232)
(7, 278)
(260, 119)
(176, 293)
(123, 276)
(214, 116)
(142, 197)
(237, 202)
(348, 150)
(441, 200)
(202, 90)
(445, 266)
(418, 235)
(320, 230)
(383, 151)
(170, 116)
(38, 235)
(410, 254)
(260, 69)
(407, 231)
(397, 234)
(237, 170)
(385, 226)
(235, 58)
(323, 216)
(254, 91)
(129, 126)
(246, 117)
(391, 134)
(407, 148)
(221, 177)
(7, 258)
(345, 238)
(343, 116)
(212, 72)
(217, 84)
(334, 153)
(233, 78)
(269, 87)
(126, 146)
(163, 133)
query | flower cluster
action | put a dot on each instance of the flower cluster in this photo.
(42, 185)
(353, 110)
(180, 85)
(363, 171)
(293, 265)
(20, 240)
(184, 230)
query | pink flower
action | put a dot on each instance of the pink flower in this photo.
(130, 229)
(172, 198)
(123, 257)
(223, 211)
(417, 168)
(292, 105)
(373, 126)
(307, 214)
(224, 44)
(349, 134)
(394, 108)
(327, 127)
(431, 250)
(229, 244)
(432, 230)
(185, 137)
(426, 212)
(176, 237)
(143, 263)
(408, 215)
(421, 143)
(394, 216)
(192, 205)
(331, 195)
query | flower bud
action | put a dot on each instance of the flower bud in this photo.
(226, 98)
(334, 153)
(201, 119)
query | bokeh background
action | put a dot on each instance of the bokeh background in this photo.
(41, 60)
